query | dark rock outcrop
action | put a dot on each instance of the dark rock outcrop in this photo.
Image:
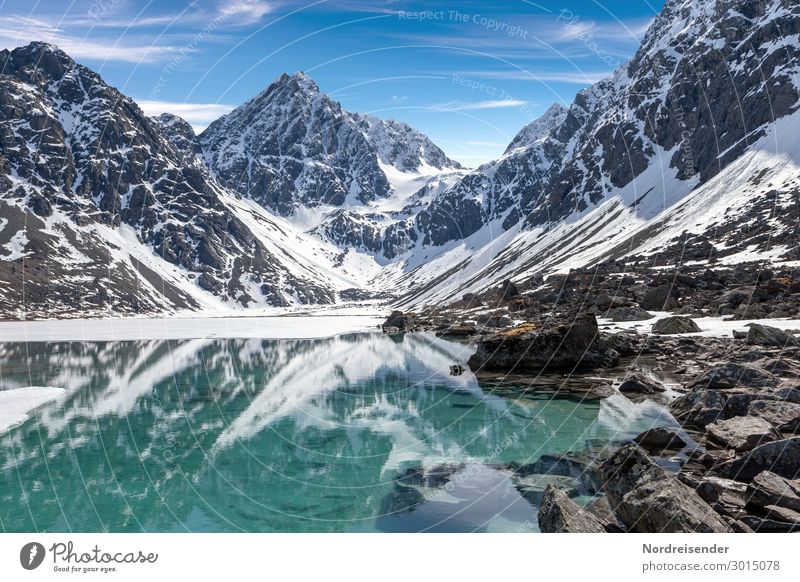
(674, 325)
(560, 514)
(531, 347)
(780, 457)
(660, 438)
(742, 433)
(647, 499)
(639, 383)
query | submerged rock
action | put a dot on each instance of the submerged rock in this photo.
(530, 347)
(560, 514)
(532, 487)
(674, 325)
(646, 499)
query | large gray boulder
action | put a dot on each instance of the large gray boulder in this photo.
(560, 514)
(767, 489)
(632, 313)
(765, 335)
(639, 383)
(674, 325)
(780, 457)
(660, 438)
(742, 433)
(648, 500)
(661, 298)
(530, 347)
(699, 408)
(733, 375)
(783, 415)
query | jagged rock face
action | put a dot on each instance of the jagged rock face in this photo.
(293, 146)
(179, 133)
(82, 156)
(706, 81)
(539, 129)
(351, 230)
(399, 145)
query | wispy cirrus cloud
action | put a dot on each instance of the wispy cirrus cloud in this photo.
(18, 30)
(480, 105)
(198, 115)
(576, 77)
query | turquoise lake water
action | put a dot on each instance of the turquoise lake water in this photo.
(277, 435)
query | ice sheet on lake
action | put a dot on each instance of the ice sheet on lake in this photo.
(16, 404)
(309, 327)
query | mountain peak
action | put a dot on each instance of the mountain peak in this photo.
(297, 81)
(40, 55)
(540, 128)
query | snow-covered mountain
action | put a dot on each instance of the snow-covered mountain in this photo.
(292, 148)
(690, 149)
(102, 213)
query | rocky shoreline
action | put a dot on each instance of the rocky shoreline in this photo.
(738, 397)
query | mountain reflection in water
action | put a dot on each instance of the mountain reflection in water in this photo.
(271, 435)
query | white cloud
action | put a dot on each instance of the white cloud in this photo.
(198, 115)
(490, 104)
(576, 77)
(17, 31)
(247, 10)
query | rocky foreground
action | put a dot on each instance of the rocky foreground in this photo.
(737, 466)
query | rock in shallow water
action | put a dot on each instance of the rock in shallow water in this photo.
(657, 439)
(560, 514)
(529, 347)
(639, 383)
(648, 500)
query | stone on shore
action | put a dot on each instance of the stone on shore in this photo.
(767, 489)
(742, 433)
(632, 313)
(659, 439)
(780, 457)
(648, 500)
(639, 383)
(674, 325)
(699, 408)
(560, 514)
(733, 375)
(765, 335)
(785, 416)
(396, 320)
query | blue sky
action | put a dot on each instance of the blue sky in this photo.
(469, 74)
